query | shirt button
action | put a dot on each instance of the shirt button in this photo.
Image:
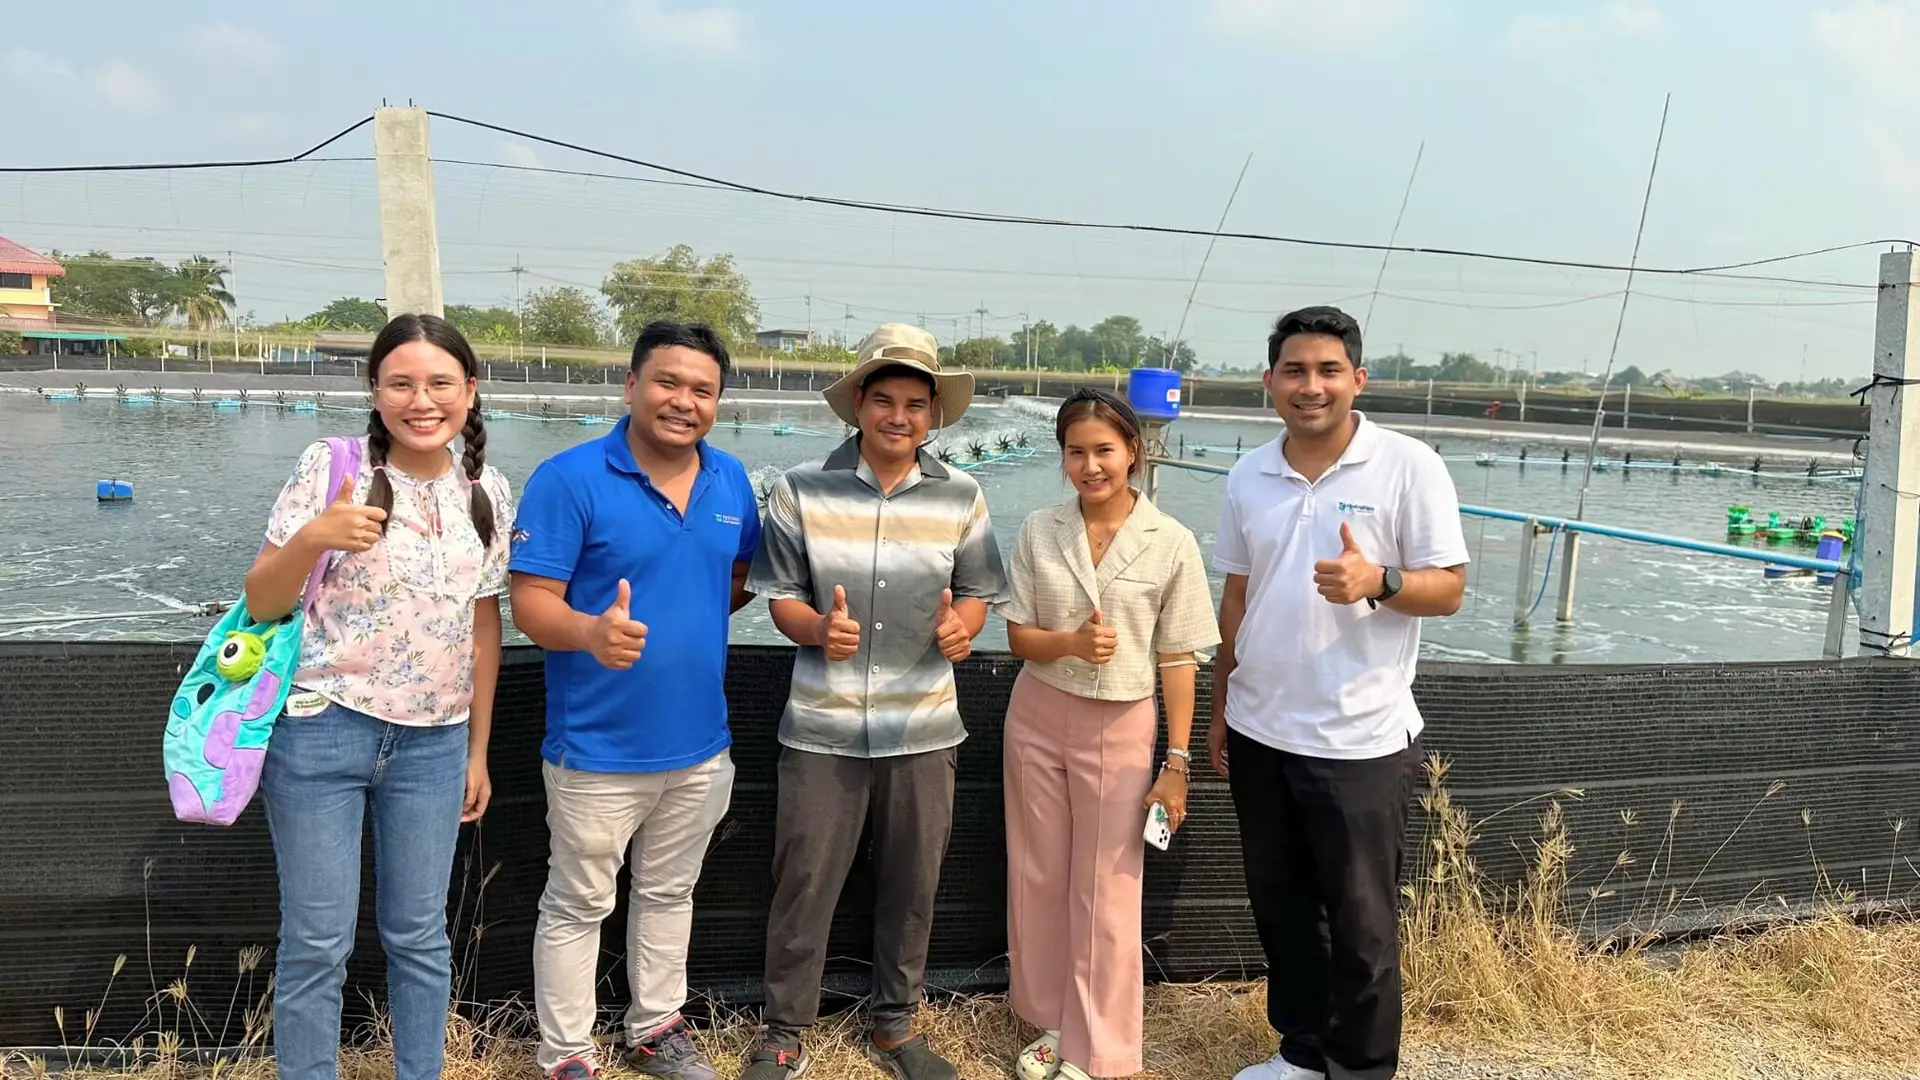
(876, 669)
(883, 584)
(879, 626)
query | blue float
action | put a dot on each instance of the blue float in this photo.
(114, 491)
(226, 403)
(1154, 393)
(137, 399)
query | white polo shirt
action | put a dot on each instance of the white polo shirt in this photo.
(1312, 677)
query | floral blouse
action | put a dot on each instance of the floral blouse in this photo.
(391, 631)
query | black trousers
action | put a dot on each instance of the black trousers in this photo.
(826, 803)
(1323, 845)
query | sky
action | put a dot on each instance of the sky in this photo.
(1791, 127)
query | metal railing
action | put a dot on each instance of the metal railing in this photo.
(1526, 599)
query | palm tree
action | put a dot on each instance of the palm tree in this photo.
(203, 299)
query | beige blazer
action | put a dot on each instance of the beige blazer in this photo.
(1151, 587)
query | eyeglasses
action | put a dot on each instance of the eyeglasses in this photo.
(443, 391)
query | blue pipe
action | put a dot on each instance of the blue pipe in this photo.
(1752, 554)
(1799, 562)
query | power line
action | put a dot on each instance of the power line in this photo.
(178, 165)
(1169, 230)
(705, 182)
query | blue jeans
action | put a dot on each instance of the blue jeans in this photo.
(320, 773)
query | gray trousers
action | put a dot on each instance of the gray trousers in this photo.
(824, 801)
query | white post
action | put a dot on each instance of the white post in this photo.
(1750, 393)
(1626, 408)
(1523, 592)
(1569, 569)
(1523, 403)
(1836, 643)
(409, 238)
(1889, 535)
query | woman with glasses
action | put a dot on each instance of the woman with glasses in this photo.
(392, 705)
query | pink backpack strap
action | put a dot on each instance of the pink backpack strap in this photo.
(343, 456)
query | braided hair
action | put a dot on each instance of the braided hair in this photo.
(435, 331)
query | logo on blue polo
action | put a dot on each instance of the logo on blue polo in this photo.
(1354, 508)
(726, 519)
(520, 536)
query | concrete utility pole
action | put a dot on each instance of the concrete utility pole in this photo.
(409, 238)
(1889, 535)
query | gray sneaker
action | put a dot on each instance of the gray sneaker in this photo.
(669, 1054)
(574, 1068)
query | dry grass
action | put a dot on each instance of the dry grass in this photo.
(1494, 977)
(1504, 972)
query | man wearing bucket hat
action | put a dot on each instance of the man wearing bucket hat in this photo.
(879, 562)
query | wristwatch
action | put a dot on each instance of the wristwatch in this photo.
(1389, 587)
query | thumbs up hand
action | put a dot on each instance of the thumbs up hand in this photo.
(616, 640)
(839, 634)
(345, 525)
(950, 631)
(1095, 641)
(1348, 578)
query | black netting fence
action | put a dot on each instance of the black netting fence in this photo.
(1735, 787)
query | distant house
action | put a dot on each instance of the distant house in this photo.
(784, 340)
(27, 307)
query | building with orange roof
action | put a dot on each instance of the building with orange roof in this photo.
(27, 307)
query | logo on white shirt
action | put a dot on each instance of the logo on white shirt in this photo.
(1361, 509)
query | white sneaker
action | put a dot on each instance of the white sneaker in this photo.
(1278, 1068)
(1041, 1059)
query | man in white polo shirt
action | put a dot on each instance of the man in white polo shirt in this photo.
(1337, 538)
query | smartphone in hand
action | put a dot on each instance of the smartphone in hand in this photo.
(1159, 831)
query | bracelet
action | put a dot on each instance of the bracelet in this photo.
(1183, 755)
(1171, 767)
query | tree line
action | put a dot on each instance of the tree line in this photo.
(1115, 343)
(677, 285)
(98, 287)
(680, 284)
(144, 292)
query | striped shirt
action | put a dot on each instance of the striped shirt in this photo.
(827, 523)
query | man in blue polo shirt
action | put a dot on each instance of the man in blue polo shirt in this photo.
(630, 553)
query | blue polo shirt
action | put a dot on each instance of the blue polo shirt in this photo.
(589, 517)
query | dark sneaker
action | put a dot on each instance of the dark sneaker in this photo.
(574, 1068)
(670, 1054)
(912, 1060)
(770, 1064)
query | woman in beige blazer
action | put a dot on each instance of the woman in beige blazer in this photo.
(1108, 594)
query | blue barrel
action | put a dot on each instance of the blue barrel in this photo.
(113, 490)
(1154, 393)
(1830, 545)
